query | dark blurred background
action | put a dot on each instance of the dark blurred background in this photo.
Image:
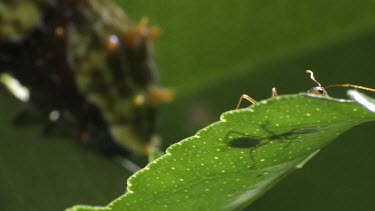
(211, 52)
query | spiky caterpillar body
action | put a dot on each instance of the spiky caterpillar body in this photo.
(88, 64)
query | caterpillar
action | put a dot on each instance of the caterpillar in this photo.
(83, 68)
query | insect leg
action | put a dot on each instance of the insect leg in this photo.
(246, 97)
(351, 86)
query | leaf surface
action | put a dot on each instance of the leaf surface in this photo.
(230, 163)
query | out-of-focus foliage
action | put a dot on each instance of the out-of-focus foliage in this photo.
(212, 52)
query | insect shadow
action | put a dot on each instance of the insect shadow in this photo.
(244, 141)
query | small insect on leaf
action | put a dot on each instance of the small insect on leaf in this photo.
(317, 90)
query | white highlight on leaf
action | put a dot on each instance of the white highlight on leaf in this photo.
(361, 99)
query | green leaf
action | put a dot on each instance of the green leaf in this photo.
(229, 164)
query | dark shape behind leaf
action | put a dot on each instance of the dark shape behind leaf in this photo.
(89, 66)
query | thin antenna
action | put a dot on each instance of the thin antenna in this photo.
(312, 77)
(350, 86)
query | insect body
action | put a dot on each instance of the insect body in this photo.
(317, 90)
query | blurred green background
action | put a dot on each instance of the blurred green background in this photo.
(211, 52)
